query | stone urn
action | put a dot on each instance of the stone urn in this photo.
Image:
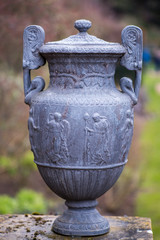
(81, 125)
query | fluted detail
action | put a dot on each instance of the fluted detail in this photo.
(79, 184)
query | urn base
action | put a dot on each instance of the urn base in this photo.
(81, 219)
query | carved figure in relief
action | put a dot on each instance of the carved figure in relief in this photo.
(58, 132)
(126, 135)
(32, 127)
(86, 147)
(96, 139)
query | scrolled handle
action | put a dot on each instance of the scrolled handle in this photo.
(33, 39)
(132, 40)
(37, 85)
(127, 87)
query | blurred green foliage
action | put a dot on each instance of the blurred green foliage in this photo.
(25, 201)
(148, 200)
(29, 201)
(21, 166)
(152, 85)
(8, 165)
(7, 204)
(13, 115)
(26, 163)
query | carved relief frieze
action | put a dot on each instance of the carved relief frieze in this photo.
(126, 134)
(96, 139)
(33, 130)
(55, 137)
(58, 130)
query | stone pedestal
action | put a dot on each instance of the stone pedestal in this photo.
(38, 227)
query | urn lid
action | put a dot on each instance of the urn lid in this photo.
(82, 42)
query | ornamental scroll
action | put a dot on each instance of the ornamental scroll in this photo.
(33, 39)
(132, 41)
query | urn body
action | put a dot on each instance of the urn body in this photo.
(81, 127)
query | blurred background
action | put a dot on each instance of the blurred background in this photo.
(22, 190)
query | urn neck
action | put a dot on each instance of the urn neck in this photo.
(81, 204)
(82, 73)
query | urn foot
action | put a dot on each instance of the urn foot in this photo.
(81, 219)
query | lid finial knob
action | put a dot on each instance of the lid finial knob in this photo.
(82, 25)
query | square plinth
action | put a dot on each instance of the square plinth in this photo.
(38, 227)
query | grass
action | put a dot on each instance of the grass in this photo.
(148, 200)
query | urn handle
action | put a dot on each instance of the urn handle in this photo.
(132, 40)
(33, 39)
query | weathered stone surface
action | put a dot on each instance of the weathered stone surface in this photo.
(38, 227)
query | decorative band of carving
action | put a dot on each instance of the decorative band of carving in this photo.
(88, 58)
(86, 76)
(111, 48)
(78, 101)
(65, 80)
(82, 167)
